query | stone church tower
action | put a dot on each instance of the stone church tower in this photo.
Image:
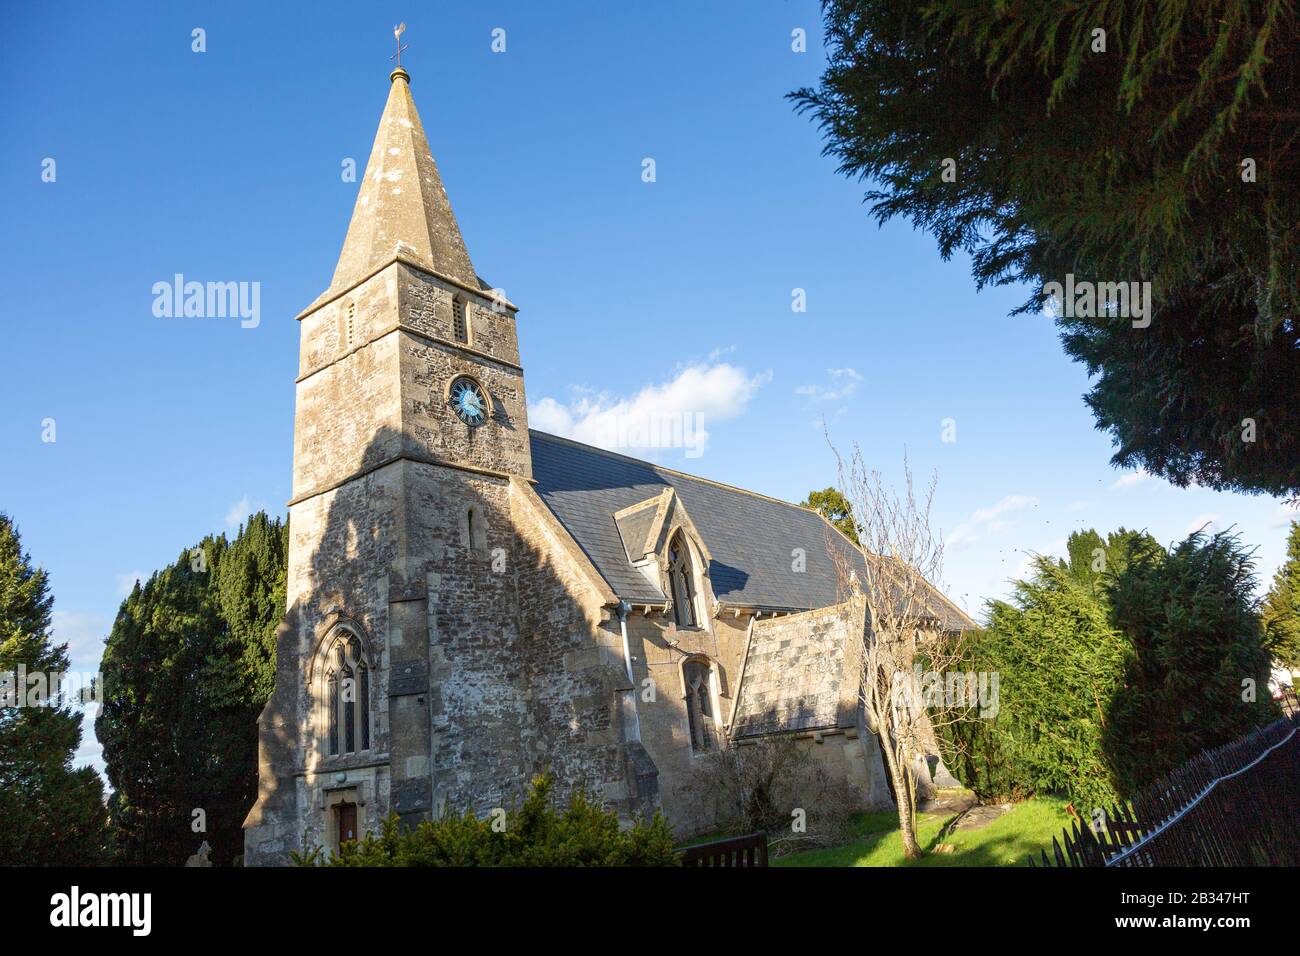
(401, 684)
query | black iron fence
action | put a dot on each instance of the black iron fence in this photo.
(1237, 805)
(748, 850)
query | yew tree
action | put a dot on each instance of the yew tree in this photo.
(1115, 141)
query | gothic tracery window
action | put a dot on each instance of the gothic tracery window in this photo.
(698, 676)
(681, 582)
(347, 704)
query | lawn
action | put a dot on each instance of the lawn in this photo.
(1008, 841)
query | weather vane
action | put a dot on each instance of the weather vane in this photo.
(397, 34)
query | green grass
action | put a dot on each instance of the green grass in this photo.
(1008, 841)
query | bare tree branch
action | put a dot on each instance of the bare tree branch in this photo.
(909, 626)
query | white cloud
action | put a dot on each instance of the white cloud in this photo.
(1132, 479)
(1285, 514)
(673, 414)
(84, 634)
(989, 521)
(125, 582)
(1207, 522)
(843, 383)
(238, 512)
(91, 751)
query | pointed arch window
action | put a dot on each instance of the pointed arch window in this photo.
(698, 676)
(347, 705)
(681, 582)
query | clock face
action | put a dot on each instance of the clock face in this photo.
(468, 402)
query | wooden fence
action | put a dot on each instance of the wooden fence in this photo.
(748, 850)
(1237, 805)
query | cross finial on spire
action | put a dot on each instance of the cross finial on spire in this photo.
(397, 34)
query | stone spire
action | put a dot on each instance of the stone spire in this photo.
(402, 207)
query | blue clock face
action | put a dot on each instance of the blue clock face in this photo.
(468, 402)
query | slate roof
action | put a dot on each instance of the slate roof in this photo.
(750, 536)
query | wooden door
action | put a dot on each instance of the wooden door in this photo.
(347, 813)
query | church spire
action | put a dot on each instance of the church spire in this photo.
(402, 207)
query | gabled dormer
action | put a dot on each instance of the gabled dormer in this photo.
(665, 546)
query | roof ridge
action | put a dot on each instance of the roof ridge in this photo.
(671, 471)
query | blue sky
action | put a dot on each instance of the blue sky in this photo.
(226, 165)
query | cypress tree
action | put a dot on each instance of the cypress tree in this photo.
(1198, 677)
(1281, 611)
(189, 664)
(1116, 665)
(53, 815)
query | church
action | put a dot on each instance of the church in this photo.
(471, 603)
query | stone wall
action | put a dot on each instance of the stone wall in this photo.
(342, 544)
(432, 429)
(659, 648)
(573, 655)
(348, 408)
(802, 672)
(426, 308)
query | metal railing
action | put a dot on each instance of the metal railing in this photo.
(1236, 805)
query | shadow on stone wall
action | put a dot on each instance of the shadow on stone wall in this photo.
(798, 788)
(513, 678)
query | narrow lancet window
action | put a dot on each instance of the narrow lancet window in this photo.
(347, 704)
(680, 583)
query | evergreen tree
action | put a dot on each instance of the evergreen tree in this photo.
(53, 815)
(1117, 141)
(1116, 665)
(1281, 612)
(835, 508)
(189, 664)
(1060, 661)
(1198, 677)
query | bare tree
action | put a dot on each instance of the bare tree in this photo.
(909, 626)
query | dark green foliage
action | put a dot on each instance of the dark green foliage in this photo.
(835, 508)
(1115, 666)
(52, 815)
(535, 834)
(1281, 612)
(1122, 165)
(188, 665)
(1059, 663)
(1190, 619)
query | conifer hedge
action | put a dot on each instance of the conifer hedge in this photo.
(1116, 665)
